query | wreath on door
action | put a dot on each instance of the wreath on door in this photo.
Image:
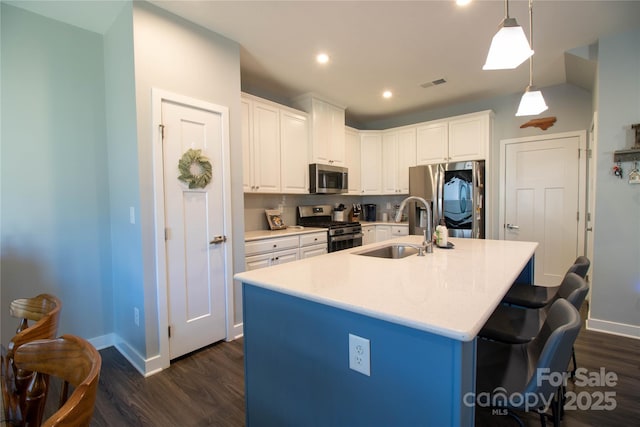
(195, 169)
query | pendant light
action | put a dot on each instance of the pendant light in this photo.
(509, 47)
(532, 102)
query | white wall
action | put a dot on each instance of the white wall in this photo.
(175, 55)
(615, 293)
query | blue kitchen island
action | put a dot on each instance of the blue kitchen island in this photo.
(420, 316)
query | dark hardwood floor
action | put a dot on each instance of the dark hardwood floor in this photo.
(206, 388)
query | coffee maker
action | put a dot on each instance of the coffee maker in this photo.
(370, 212)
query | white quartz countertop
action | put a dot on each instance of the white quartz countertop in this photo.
(289, 231)
(450, 292)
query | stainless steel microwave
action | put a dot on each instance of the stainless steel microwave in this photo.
(327, 179)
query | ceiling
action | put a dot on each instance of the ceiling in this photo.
(387, 45)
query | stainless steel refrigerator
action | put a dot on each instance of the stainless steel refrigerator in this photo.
(456, 193)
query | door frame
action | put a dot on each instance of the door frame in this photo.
(582, 179)
(157, 97)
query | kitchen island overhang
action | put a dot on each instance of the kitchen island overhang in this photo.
(420, 314)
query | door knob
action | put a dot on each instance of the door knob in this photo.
(513, 227)
(218, 239)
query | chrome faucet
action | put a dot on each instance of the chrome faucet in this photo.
(428, 232)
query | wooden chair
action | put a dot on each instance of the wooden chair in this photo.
(44, 313)
(74, 361)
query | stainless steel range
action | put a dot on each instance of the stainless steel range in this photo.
(341, 235)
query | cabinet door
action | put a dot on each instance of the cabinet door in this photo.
(337, 151)
(383, 232)
(282, 257)
(368, 234)
(266, 144)
(311, 251)
(294, 137)
(257, 261)
(390, 163)
(406, 158)
(247, 149)
(371, 163)
(352, 160)
(432, 143)
(467, 138)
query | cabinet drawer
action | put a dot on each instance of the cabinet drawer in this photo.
(269, 245)
(313, 239)
(400, 230)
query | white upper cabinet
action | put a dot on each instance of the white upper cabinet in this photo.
(266, 148)
(398, 155)
(371, 162)
(432, 144)
(352, 160)
(469, 137)
(326, 130)
(459, 138)
(294, 137)
(274, 147)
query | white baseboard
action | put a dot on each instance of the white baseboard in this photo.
(149, 366)
(622, 329)
(146, 367)
(236, 332)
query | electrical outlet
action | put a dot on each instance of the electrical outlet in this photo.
(136, 316)
(359, 355)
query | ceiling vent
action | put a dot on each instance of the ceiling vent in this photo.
(433, 83)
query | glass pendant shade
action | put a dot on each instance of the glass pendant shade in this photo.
(509, 47)
(532, 103)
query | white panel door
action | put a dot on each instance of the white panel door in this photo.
(294, 138)
(541, 202)
(196, 270)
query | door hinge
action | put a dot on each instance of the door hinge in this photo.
(169, 331)
(166, 234)
(161, 126)
(578, 216)
(589, 153)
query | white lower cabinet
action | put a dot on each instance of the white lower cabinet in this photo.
(368, 234)
(266, 252)
(383, 232)
(399, 230)
(313, 244)
(265, 260)
(279, 250)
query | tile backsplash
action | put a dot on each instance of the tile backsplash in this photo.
(255, 204)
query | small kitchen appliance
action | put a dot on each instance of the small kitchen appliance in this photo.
(340, 234)
(370, 212)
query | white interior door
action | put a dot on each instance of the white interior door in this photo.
(542, 202)
(194, 218)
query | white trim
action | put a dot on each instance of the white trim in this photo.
(103, 341)
(157, 96)
(582, 145)
(237, 332)
(614, 328)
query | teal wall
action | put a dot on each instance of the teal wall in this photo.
(55, 193)
(616, 265)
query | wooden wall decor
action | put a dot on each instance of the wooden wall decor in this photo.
(543, 123)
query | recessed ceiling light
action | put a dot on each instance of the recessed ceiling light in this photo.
(387, 94)
(463, 2)
(322, 58)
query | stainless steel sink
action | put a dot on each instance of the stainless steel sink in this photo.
(394, 251)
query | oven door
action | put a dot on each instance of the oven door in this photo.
(344, 241)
